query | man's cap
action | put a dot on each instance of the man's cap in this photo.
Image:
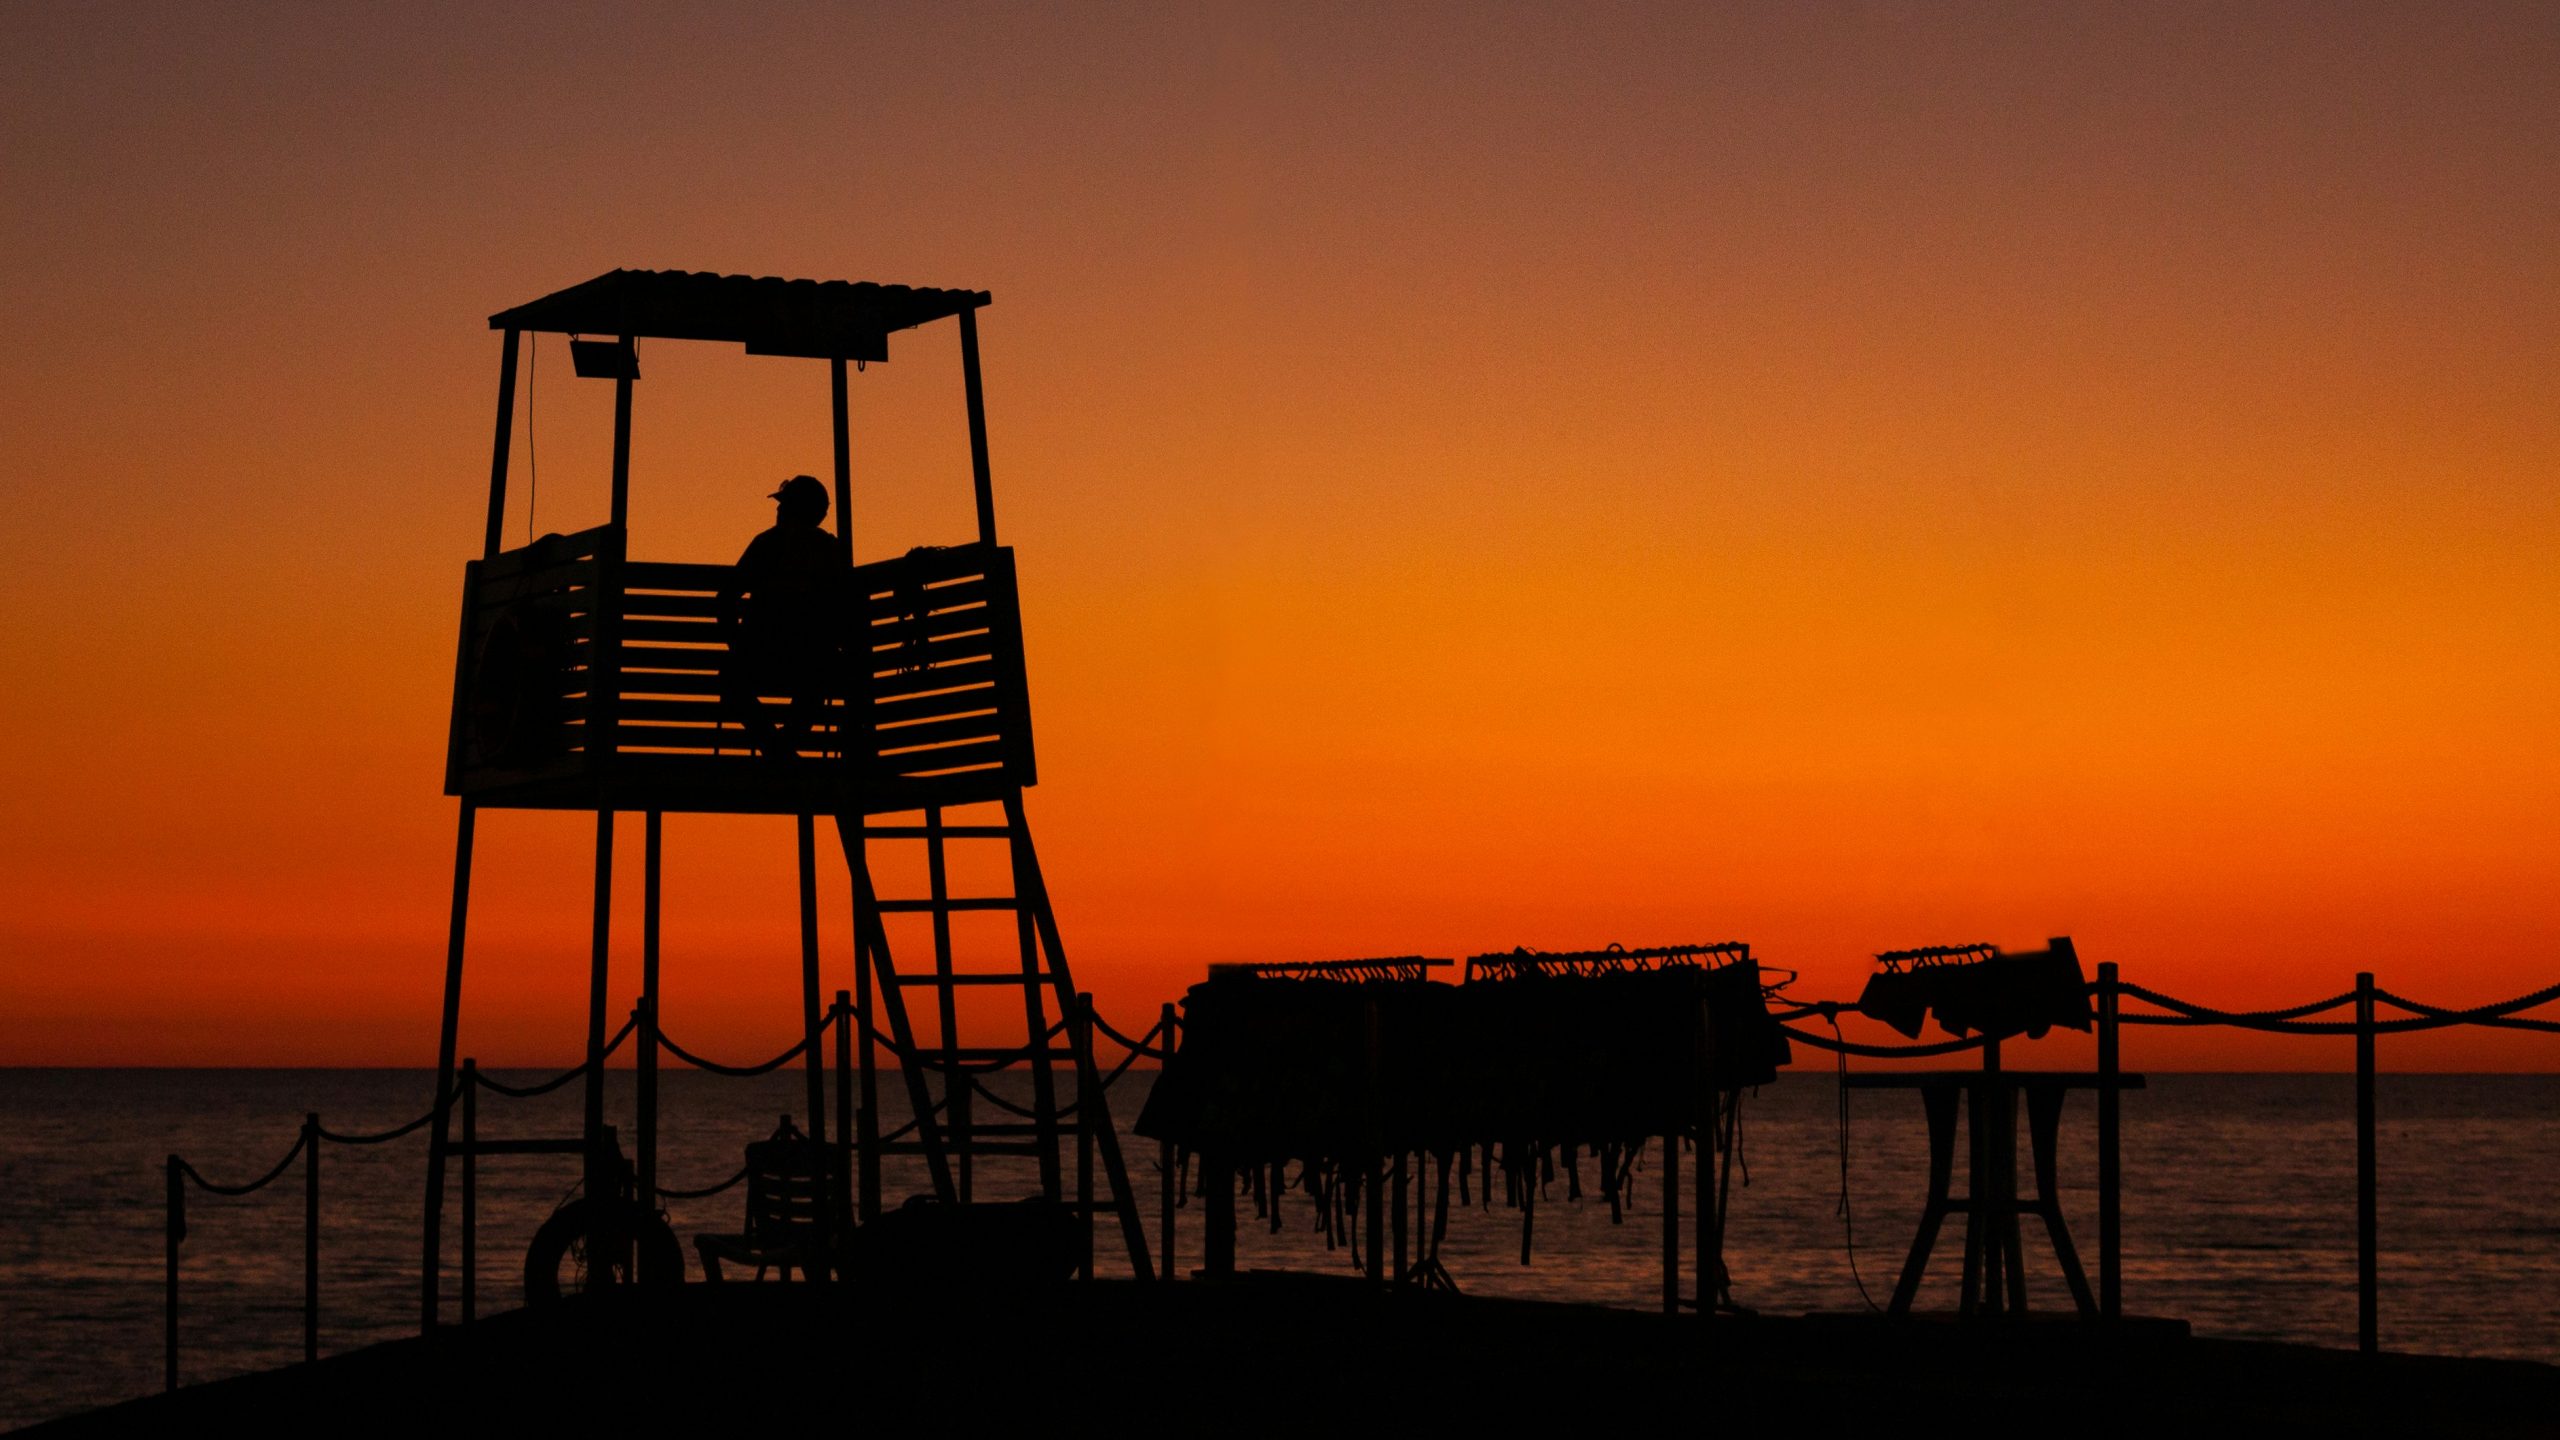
(804, 488)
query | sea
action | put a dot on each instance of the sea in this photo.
(2239, 1211)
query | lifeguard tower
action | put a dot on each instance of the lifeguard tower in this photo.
(587, 680)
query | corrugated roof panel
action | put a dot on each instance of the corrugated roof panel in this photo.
(765, 313)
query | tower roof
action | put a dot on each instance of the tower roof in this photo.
(767, 314)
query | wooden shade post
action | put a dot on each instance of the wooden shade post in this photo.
(2368, 1228)
(599, 956)
(979, 473)
(844, 455)
(1217, 1225)
(1670, 1219)
(622, 446)
(440, 1131)
(2110, 1153)
(1374, 1182)
(645, 1080)
(470, 1191)
(495, 539)
(813, 1059)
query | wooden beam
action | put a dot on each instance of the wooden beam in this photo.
(645, 1082)
(977, 427)
(622, 449)
(814, 1063)
(599, 955)
(431, 1271)
(492, 542)
(844, 457)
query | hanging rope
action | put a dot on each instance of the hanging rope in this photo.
(1848, 1222)
(798, 1047)
(564, 1077)
(532, 455)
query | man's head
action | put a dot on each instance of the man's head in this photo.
(801, 501)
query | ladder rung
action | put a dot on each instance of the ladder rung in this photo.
(1007, 1127)
(957, 902)
(1015, 978)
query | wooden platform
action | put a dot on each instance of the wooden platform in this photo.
(1306, 1355)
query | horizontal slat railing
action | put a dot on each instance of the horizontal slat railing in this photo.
(935, 659)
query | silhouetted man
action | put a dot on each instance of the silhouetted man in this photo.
(785, 634)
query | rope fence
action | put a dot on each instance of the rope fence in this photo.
(1160, 1043)
(182, 1174)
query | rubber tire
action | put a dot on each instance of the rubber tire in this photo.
(653, 1245)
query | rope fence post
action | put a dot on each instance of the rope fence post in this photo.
(311, 1237)
(1166, 1195)
(470, 1191)
(176, 1226)
(2368, 1286)
(2110, 1155)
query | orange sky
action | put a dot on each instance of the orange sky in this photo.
(1834, 477)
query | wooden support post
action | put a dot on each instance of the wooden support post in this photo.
(645, 1080)
(440, 1130)
(1089, 1103)
(843, 1020)
(1035, 1012)
(814, 1060)
(2110, 1150)
(978, 470)
(844, 456)
(1124, 1200)
(2368, 1229)
(1168, 1185)
(470, 1191)
(955, 1083)
(622, 447)
(174, 1225)
(310, 1237)
(866, 1155)
(599, 958)
(1670, 1220)
(496, 538)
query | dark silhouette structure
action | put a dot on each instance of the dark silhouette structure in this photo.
(587, 679)
(1383, 1087)
(1997, 995)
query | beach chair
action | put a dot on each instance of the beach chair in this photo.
(795, 1200)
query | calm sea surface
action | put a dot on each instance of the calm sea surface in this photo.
(2239, 1212)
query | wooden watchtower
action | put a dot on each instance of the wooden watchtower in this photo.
(588, 680)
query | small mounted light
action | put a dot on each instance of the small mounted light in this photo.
(604, 359)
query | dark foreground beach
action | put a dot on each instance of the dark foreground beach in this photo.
(1265, 1354)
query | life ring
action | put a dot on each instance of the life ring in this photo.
(599, 1244)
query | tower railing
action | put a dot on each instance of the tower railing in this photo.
(585, 681)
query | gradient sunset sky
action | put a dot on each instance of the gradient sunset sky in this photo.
(1833, 476)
